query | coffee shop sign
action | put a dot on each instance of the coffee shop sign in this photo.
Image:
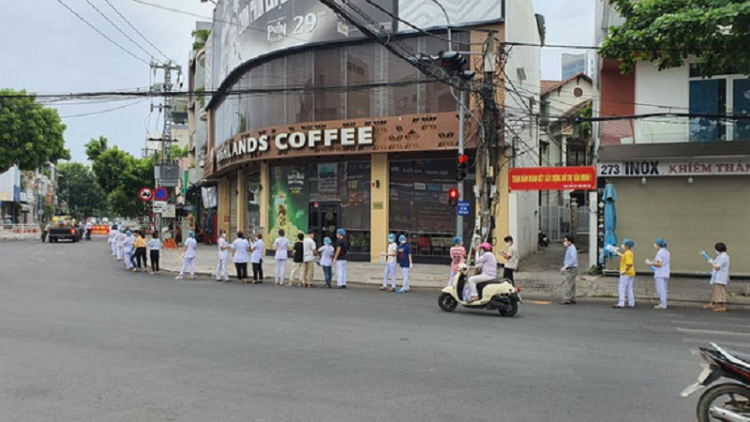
(312, 139)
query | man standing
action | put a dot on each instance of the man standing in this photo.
(221, 265)
(511, 259)
(188, 259)
(570, 269)
(309, 251)
(89, 226)
(342, 250)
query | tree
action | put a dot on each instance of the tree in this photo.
(95, 148)
(668, 32)
(121, 175)
(31, 135)
(78, 188)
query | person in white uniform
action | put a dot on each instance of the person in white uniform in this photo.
(719, 279)
(487, 263)
(111, 242)
(221, 265)
(129, 248)
(390, 264)
(281, 246)
(240, 248)
(120, 243)
(188, 260)
(660, 266)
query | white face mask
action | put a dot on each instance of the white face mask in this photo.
(717, 252)
(656, 246)
(508, 244)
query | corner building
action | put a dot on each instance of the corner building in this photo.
(328, 130)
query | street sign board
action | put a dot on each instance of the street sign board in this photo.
(170, 211)
(161, 194)
(145, 194)
(463, 208)
(552, 178)
(160, 206)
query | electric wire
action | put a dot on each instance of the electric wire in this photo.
(102, 111)
(119, 29)
(136, 30)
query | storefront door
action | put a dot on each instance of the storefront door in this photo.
(324, 220)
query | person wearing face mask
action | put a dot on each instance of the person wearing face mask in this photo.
(188, 260)
(570, 269)
(627, 275)
(487, 264)
(511, 259)
(390, 264)
(281, 246)
(660, 266)
(221, 265)
(719, 279)
(458, 257)
(404, 261)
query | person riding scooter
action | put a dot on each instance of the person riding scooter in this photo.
(487, 263)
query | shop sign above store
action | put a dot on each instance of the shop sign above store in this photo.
(705, 167)
(313, 139)
(552, 178)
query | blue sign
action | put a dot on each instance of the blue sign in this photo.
(161, 194)
(463, 208)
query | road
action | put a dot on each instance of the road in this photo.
(83, 340)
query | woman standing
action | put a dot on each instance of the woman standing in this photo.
(405, 262)
(221, 265)
(297, 261)
(140, 251)
(240, 248)
(281, 246)
(719, 279)
(627, 275)
(660, 265)
(257, 259)
(128, 247)
(154, 246)
(390, 264)
(188, 260)
(326, 260)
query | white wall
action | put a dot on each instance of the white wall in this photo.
(521, 26)
(659, 92)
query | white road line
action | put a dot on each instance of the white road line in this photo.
(714, 332)
(706, 342)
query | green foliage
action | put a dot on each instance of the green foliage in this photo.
(31, 135)
(668, 32)
(78, 188)
(121, 176)
(201, 36)
(95, 148)
(178, 152)
(583, 129)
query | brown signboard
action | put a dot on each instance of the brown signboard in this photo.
(419, 132)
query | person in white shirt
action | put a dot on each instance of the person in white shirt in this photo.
(326, 260)
(188, 259)
(390, 264)
(257, 258)
(128, 246)
(240, 248)
(111, 240)
(120, 243)
(88, 228)
(223, 255)
(309, 253)
(511, 259)
(154, 246)
(281, 246)
(487, 263)
(719, 279)
(660, 265)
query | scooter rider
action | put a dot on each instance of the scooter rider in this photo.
(487, 263)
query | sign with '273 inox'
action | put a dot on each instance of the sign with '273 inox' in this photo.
(706, 167)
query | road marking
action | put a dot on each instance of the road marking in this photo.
(706, 342)
(714, 332)
(536, 302)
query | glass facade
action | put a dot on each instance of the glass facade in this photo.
(350, 65)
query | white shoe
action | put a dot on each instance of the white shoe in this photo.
(179, 277)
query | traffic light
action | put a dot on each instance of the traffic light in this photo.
(462, 167)
(455, 63)
(453, 197)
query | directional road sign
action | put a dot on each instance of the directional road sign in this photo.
(463, 208)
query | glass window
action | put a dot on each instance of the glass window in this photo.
(741, 106)
(361, 63)
(328, 73)
(707, 97)
(402, 100)
(299, 104)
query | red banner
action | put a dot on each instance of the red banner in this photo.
(99, 229)
(552, 178)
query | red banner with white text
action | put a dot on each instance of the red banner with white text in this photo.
(552, 178)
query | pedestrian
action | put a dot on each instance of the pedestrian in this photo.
(458, 257)
(128, 247)
(298, 260)
(44, 232)
(339, 259)
(188, 259)
(310, 251)
(89, 227)
(570, 269)
(487, 263)
(511, 259)
(627, 275)
(660, 266)
(257, 258)
(326, 260)
(719, 278)
(281, 246)
(221, 265)
(390, 264)
(140, 251)
(154, 246)
(405, 262)
(120, 243)
(111, 234)
(240, 247)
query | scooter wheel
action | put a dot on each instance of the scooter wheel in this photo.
(512, 311)
(736, 398)
(447, 302)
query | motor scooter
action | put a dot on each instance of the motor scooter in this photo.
(728, 400)
(542, 239)
(498, 294)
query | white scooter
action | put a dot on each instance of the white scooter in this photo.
(498, 294)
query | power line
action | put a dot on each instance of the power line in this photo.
(102, 33)
(102, 111)
(118, 28)
(136, 30)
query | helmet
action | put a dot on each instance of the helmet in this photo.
(391, 237)
(457, 240)
(486, 246)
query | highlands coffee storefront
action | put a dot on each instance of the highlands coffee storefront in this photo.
(369, 177)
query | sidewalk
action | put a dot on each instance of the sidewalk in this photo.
(538, 277)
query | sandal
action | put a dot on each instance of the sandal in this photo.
(382, 288)
(709, 306)
(720, 309)
(616, 306)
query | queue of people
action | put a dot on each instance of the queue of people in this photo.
(131, 247)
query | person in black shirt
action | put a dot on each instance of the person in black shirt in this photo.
(342, 250)
(297, 262)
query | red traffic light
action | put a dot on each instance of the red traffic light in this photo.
(463, 159)
(453, 193)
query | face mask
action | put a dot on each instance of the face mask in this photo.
(717, 252)
(656, 246)
(508, 244)
(622, 246)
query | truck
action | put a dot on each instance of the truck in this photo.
(63, 227)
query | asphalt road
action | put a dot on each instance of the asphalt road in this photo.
(83, 340)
